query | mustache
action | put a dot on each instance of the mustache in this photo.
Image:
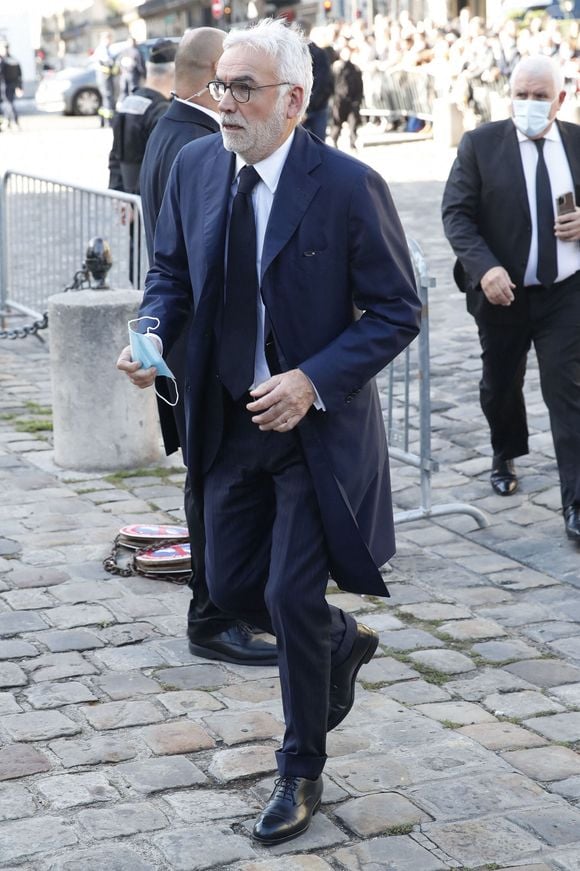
(229, 118)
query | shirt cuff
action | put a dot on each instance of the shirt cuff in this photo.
(318, 403)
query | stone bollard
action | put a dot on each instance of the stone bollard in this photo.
(447, 123)
(101, 421)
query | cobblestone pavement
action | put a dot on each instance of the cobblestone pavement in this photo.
(121, 751)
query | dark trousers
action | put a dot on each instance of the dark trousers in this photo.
(266, 560)
(551, 321)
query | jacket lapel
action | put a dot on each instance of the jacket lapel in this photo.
(572, 150)
(294, 194)
(514, 169)
(216, 192)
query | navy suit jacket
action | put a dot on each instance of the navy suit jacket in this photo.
(180, 124)
(486, 212)
(338, 286)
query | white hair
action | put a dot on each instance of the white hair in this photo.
(539, 64)
(286, 44)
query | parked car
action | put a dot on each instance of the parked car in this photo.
(74, 90)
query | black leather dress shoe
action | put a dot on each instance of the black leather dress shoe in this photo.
(238, 644)
(343, 678)
(289, 811)
(572, 522)
(503, 477)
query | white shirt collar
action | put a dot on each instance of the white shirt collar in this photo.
(553, 134)
(209, 112)
(270, 169)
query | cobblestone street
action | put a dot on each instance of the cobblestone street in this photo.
(119, 750)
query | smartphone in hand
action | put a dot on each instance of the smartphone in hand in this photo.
(565, 204)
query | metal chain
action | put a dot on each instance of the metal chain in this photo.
(111, 564)
(81, 279)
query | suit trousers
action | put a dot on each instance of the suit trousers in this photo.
(266, 561)
(551, 322)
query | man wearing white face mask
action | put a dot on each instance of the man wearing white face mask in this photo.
(510, 213)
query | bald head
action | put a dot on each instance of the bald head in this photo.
(196, 61)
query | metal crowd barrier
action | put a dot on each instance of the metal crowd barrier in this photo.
(398, 93)
(405, 391)
(45, 225)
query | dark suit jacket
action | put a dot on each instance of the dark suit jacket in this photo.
(181, 124)
(486, 214)
(333, 241)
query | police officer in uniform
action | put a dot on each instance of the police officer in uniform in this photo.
(136, 116)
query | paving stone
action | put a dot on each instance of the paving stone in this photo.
(518, 614)
(568, 788)
(534, 867)
(54, 695)
(70, 616)
(550, 631)
(477, 596)
(461, 713)
(376, 814)
(345, 742)
(72, 790)
(195, 677)
(472, 630)
(409, 639)
(128, 658)
(138, 607)
(36, 576)
(477, 842)
(416, 692)
(556, 825)
(255, 726)
(546, 672)
(251, 692)
(568, 647)
(557, 727)
(119, 715)
(15, 802)
(124, 686)
(182, 736)
(523, 579)
(389, 854)
(475, 795)
(122, 819)
(61, 641)
(38, 725)
(567, 861)
(294, 863)
(88, 592)
(93, 751)
(54, 666)
(102, 858)
(16, 649)
(208, 805)
(228, 765)
(502, 736)
(129, 633)
(8, 704)
(385, 669)
(381, 621)
(503, 651)
(19, 760)
(487, 681)
(11, 675)
(156, 775)
(33, 836)
(545, 763)
(521, 704)
(438, 611)
(447, 661)
(189, 701)
(16, 622)
(190, 850)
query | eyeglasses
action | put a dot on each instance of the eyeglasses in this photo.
(240, 91)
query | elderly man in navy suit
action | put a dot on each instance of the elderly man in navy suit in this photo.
(291, 258)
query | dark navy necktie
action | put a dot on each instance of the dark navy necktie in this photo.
(237, 346)
(547, 271)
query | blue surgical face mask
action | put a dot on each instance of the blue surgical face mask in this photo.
(531, 117)
(144, 351)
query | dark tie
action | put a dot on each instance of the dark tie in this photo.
(238, 335)
(547, 258)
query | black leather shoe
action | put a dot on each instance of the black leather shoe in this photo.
(289, 811)
(503, 477)
(572, 522)
(343, 678)
(238, 644)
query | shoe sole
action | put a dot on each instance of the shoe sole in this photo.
(274, 841)
(368, 655)
(205, 653)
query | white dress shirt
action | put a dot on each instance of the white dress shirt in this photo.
(269, 170)
(561, 182)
